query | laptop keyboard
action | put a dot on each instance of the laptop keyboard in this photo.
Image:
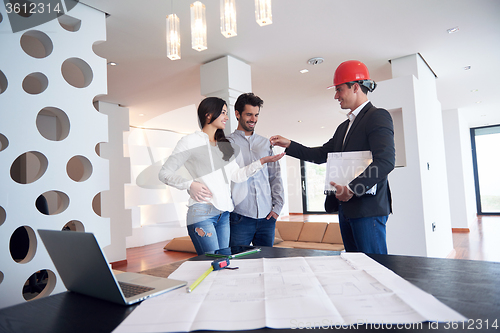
(130, 290)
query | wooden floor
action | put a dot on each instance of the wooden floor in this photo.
(481, 243)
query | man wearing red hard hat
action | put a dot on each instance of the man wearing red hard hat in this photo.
(365, 203)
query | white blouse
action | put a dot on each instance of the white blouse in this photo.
(205, 165)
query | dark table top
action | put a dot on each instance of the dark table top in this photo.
(470, 287)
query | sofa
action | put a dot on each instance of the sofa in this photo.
(309, 235)
(288, 234)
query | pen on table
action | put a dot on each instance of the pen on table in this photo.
(245, 253)
(216, 265)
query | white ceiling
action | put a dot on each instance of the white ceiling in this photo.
(148, 83)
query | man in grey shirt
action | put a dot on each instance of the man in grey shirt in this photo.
(258, 201)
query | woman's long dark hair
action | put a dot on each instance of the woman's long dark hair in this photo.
(213, 106)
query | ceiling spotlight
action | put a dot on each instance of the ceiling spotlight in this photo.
(478, 102)
(304, 71)
(466, 68)
(299, 121)
(111, 63)
(452, 30)
(315, 61)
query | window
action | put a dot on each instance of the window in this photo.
(486, 158)
(313, 186)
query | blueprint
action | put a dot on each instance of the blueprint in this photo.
(296, 292)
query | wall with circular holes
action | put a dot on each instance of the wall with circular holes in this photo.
(51, 174)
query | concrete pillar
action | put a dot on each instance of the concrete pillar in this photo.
(460, 170)
(227, 78)
(421, 222)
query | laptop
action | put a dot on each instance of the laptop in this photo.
(83, 269)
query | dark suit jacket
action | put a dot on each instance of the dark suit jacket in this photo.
(372, 130)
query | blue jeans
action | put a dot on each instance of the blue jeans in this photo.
(208, 228)
(246, 230)
(366, 234)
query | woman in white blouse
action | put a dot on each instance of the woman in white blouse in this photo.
(211, 162)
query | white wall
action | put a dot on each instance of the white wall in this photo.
(158, 211)
(459, 169)
(79, 130)
(293, 181)
(113, 200)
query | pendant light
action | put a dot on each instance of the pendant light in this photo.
(228, 18)
(198, 26)
(173, 35)
(263, 14)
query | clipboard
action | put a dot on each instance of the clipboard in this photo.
(343, 167)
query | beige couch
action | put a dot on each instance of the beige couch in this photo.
(302, 235)
(309, 235)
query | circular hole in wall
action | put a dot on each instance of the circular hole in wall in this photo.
(96, 204)
(23, 244)
(35, 83)
(36, 44)
(95, 101)
(23, 8)
(77, 72)
(1, 277)
(42, 204)
(74, 225)
(39, 284)
(79, 168)
(28, 167)
(98, 149)
(69, 23)
(3, 82)
(3, 215)
(57, 202)
(53, 123)
(4, 142)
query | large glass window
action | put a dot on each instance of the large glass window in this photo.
(486, 157)
(313, 186)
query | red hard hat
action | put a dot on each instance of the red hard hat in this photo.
(350, 71)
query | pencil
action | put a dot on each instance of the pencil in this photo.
(197, 282)
(245, 253)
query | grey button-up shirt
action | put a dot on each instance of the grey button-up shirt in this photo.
(263, 192)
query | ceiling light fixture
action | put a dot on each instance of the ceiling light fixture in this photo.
(452, 30)
(112, 63)
(466, 68)
(173, 37)
(198, 26)
(304, 71)
(228, 18)
(315, 61)
(263, 14)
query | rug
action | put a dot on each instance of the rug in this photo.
(163, 271)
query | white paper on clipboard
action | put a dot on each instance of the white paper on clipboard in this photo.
(343, 167)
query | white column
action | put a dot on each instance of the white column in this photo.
(459, 168)
(421, 223)
(227, 78)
